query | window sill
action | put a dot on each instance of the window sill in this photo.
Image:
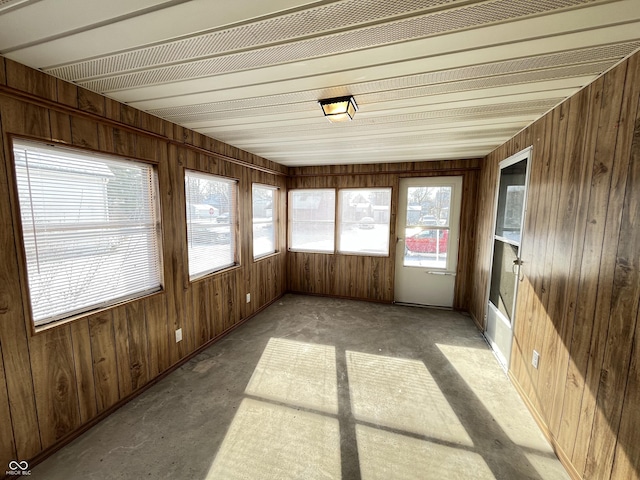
(268, 255)
(208, 275)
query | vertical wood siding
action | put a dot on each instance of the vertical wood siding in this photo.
(578, 300)
(54, 382)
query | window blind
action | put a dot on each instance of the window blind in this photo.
(90, 228)
(211, 222)
(264, 209)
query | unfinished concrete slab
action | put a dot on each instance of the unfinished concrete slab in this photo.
(321, 388)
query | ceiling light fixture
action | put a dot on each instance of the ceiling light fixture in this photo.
(339, 109)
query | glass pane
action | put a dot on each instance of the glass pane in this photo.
(510, 201)
(426, 247)
(428, 206)
(264, 240)
(312, 220)
(503, 278)
(364, 220)
(210, 209)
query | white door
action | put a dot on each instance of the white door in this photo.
(507, 241)
(427, 246)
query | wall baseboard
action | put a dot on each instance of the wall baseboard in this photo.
(341, 297)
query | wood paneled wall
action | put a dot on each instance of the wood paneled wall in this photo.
(369, 277)
(57, 381)
(578, 300)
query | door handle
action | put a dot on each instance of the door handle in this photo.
(516, 270)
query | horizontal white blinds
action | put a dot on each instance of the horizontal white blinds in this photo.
(90, 229)
(211, 221)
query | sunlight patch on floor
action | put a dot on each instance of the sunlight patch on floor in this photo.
(386, 455)
(297, 373)
(401, 394)
(273, 442)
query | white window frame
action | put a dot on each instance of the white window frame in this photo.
(233, 224)
(340, 223)
(274, 218)
(291, 221)
(93, 235)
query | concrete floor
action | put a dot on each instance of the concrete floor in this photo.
(319, 388)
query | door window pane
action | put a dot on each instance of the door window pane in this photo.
(427, 230)
(511, 201)
(364, 221)
(312, 220)
(428, 206)
(503, 278)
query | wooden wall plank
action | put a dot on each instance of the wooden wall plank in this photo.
(30, 80)
(138, 344)
(91, 102)
(83, 360)
(158, 335)
(54, 383)
(105, 367)
(67, 93)
(205, 308)
(121, 333)
(7, 444)
(216, 321)
(60, 127)
(560, 124)
(171, 177)
(84, 133)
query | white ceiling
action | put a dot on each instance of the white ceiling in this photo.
(434, 79)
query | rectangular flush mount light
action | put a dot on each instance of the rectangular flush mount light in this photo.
(339, 109)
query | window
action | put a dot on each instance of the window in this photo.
(211, 222)
(364, 221)
(264, 220)
(90, 228)
(312, 220)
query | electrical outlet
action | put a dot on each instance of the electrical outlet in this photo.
(248, 298)
(178, 335)
(535, 359)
